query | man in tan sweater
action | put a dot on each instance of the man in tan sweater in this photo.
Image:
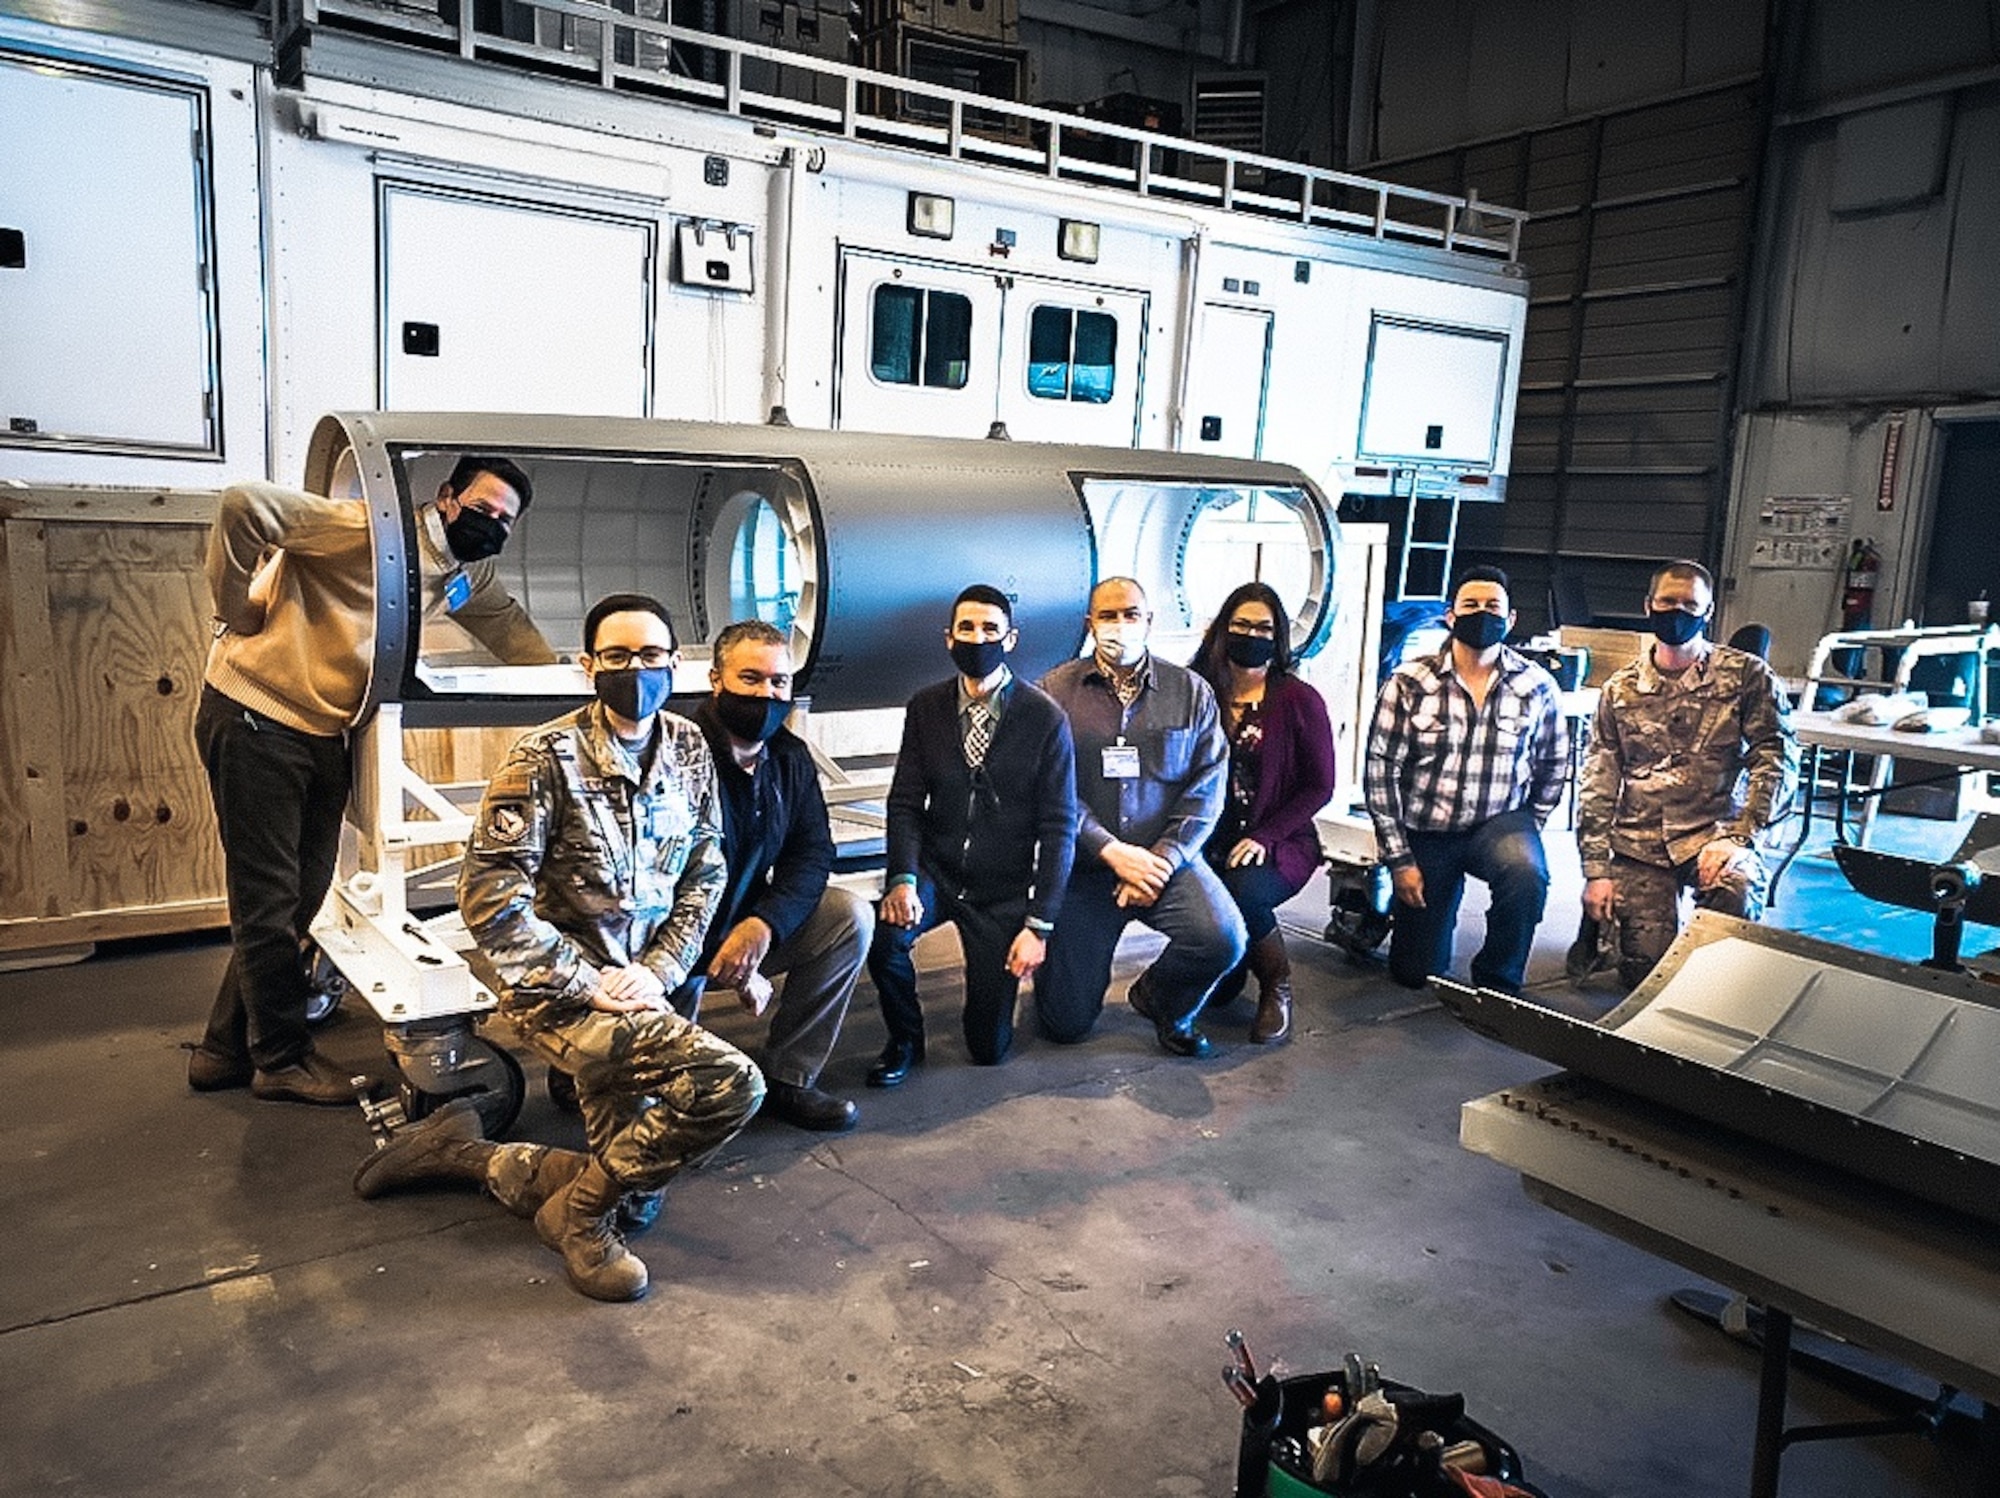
(293, 579)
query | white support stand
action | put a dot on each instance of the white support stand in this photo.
(407, 970)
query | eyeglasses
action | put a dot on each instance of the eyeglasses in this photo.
(617, 657)
(1262, 629)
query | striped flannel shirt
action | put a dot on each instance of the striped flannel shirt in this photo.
(1436, 763)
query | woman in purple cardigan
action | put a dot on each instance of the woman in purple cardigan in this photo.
(1265, 847)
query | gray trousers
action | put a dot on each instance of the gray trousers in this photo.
(819, 963)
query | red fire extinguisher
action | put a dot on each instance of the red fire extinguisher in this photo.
(1864, 569)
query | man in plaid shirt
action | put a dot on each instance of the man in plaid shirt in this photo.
(1466, 760)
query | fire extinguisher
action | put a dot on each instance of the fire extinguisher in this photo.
(1857, 600)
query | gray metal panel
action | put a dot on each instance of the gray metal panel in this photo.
(1624, 51)
(903, 538)
(1890, 157)
(1970, 358)
(1861, 1062)
(1856, 45)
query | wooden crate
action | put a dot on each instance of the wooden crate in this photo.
(1609, 649)
(104, 628)
(104, 632)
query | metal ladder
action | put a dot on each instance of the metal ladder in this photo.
(1442, 550)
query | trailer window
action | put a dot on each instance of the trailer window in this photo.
(921, 337)
(1072, 355)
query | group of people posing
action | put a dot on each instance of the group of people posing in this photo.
(626, 859)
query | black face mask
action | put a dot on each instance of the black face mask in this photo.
(474, 535)
(1675, 626)
(978, 659)
(751, 719)
(1250, 651)
(637, 692)
(1481, 630)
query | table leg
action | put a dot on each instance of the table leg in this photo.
(1771, 1383)
(1808, 782)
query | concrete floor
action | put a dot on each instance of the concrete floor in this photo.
(1008, 1281)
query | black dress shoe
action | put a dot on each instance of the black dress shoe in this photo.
(809, 1108)
(1185, 1040)
(895, 1063)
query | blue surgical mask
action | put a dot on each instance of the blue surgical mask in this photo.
(637, 692)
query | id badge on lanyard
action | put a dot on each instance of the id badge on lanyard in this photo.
(1121, 761)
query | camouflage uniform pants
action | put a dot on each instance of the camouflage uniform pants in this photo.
(1649, 905)
(658, 1094)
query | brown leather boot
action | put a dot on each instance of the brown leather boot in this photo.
(1268, 960)
(577, 1222)
(447, 1146)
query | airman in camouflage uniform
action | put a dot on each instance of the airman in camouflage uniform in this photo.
(1691, 761)
(593, 870)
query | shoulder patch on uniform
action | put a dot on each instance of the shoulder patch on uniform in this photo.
(507, 821)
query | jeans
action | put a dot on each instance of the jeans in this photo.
(1205, 939)
(1504, 851)
(820, 963)
(279, 796)
(986, 932)
(1258, 890)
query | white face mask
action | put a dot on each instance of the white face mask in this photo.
(1121, 644)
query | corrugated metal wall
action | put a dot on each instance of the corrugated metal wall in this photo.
(1636, 259)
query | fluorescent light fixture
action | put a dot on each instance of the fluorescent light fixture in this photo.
(930, 215)
(1079, 241)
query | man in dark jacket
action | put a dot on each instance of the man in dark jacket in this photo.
(982, 817)
(778, 914)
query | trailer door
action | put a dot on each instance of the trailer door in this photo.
(1228, 382)
(919, 347)
(107, 289)
(1071, 362)
(494, 305)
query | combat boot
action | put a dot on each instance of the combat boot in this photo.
(523, 1176)
(577, 1223)
(1273, 967)
(448, 1146)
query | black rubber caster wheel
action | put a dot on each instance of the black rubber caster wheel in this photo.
(494, 1080)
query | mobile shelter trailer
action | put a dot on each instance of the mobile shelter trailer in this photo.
(219, 233)
(219, 228)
